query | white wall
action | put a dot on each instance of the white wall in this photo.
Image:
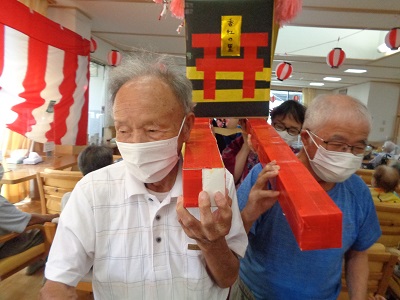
(382, 101)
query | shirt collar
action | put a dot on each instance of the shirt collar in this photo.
(133, 186)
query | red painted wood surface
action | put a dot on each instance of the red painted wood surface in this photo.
(314, 218)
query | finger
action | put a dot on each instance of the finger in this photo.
(205, 208)
(265, 175)
(182, 212)
(223, 205)
(249, 142)
(269, 194)
(229, 198)
(221, 201)
(187, 221)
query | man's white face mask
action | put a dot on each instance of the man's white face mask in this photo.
(150, 162)
(333, 166)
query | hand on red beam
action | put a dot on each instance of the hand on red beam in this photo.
(261, 198)
(213, 225)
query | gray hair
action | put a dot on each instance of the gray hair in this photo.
(149, 64)
(327, 107)
(389, 146)
(94, 157)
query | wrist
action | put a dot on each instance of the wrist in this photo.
(215, 245)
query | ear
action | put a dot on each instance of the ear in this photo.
(305, 138)
(187, 127)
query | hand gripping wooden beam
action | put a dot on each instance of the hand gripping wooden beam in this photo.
(314, 218)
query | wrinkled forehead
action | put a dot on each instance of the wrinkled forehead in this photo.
(348, 130)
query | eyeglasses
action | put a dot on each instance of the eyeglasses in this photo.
(291, 130)
(357, 150)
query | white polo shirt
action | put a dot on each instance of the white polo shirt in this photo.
(136, 245)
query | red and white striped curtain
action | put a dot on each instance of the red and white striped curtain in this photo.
(44, 77)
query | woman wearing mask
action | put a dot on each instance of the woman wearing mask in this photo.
(287, 119)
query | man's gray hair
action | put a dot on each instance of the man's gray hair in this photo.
(327, 107)
(149, 64)
(389, 146)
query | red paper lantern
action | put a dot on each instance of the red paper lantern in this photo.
(392, 38)
(114, 58)
(283, 70)
(93, 45)
(335, 58)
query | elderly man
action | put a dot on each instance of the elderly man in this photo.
(127, 220)
(334, 136)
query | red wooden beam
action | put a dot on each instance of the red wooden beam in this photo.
(203, 168)
(314, 218)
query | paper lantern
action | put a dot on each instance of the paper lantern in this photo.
(392, 38)
(283, 71)
(335, 58)
(114, 58)
(93, 45)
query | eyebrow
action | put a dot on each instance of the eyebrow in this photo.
(341, 138)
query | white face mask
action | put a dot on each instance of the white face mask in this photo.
(150, 162)
(289, 139)
(333, 166)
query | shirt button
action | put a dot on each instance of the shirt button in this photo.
(158, 240)
(158, 217)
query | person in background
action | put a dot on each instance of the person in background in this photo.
(384, 183)
(129, 221)
(238, 156)
(91, 158)
(288, 119)
(396, 166)
(388, 149)
(14, 220)
(334, 136)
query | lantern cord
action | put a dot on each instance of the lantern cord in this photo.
(317, 45)
(128, 48)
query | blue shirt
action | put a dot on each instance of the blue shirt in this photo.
(275, 268)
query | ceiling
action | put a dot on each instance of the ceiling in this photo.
(357, 26)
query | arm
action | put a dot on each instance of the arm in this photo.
(240, 160)
(209, 232)
(56, 290)
(260, 199)
(243, 154)
(41, 219)
(356, 269)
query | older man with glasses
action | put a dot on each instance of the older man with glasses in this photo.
(334, 136)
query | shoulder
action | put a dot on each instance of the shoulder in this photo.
(9, 208)
(356, 184)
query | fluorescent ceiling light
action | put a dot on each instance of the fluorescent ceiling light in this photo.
(357, 71)
(382, 48)
(317, 83)
(332, 78)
